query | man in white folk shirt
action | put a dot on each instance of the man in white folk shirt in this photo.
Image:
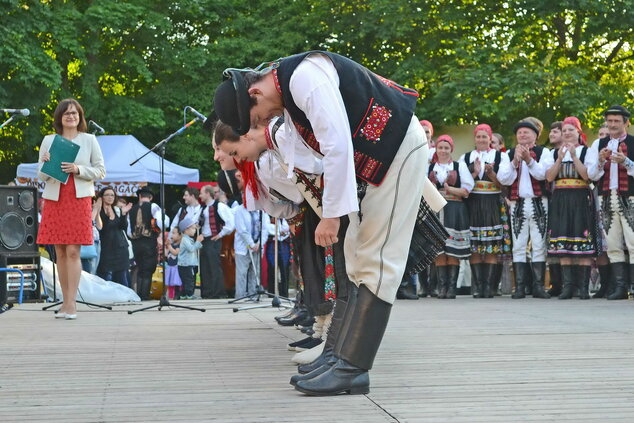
(525, 173)
(364, 127)
(614, 176)
(216, 221)
(191, 208)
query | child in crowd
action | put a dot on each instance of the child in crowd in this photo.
(172, 279)
(187, 257)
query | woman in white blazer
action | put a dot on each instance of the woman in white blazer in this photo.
(66, 210)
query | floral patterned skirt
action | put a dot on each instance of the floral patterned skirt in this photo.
(489, 224)
(572, 227)
(67, 220)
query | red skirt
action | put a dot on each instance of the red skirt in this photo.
(67, 220)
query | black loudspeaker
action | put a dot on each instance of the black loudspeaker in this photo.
(18, 221)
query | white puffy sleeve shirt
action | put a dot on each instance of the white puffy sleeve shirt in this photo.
(314, 86)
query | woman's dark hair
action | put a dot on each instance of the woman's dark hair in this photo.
(102, 192)
(556, 125)
(224, 132)
(59, 113)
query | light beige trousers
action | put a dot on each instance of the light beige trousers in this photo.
(376, 246)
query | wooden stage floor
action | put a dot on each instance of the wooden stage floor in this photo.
(466, 360)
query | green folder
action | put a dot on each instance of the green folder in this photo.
(61, 150)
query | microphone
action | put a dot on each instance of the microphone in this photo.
(23, 112)
(199, 115)
(98, 129)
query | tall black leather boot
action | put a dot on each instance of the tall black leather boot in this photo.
(476, 279)
(337, 340)
(331, 338)
(604, 278)
(568, 278)
(488, 280)
(145, 284)
(356, 356)
(433, 281)
(528, 282)
(539, 273)
(555, 279)
(584, 282)
(423, 280)
(521, 272)
(452, 277)
(620, 281)
(498, 279)
(443, 281)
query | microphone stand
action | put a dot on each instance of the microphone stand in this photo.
(160, 149)
(275, 302)
(6, 122)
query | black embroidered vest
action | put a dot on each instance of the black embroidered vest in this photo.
(601, 183)
(379, 112)
(539, 187)
(146, 229)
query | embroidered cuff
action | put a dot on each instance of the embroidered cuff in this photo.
(628, 163)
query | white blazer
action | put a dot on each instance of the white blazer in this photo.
(89, 161)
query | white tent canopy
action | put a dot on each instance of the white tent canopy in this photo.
(121, 150)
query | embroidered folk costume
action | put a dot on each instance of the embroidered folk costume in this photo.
(615, 184)
(487, 217)
(364, 126)
(529, 212)
(572, 228)
(454, 216)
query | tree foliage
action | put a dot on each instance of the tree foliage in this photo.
(134, 65)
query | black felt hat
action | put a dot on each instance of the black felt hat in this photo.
(525, 124)
(618, 110)
(144, 190)
(232, 102)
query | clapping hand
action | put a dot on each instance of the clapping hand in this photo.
(604, 154)
(488, 169)
(526, 154)
(619, 157)
(200, 238)
(125, 209)
(477, 166)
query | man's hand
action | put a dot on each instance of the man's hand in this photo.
(604, 154)
(619, 157)
(326, 232)
(526, 155)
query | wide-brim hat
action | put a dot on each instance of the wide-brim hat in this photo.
(144, 190)
(232, 103)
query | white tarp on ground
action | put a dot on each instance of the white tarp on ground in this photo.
(92, 289)
(118, 152)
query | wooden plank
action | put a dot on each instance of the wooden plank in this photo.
(464, 360)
